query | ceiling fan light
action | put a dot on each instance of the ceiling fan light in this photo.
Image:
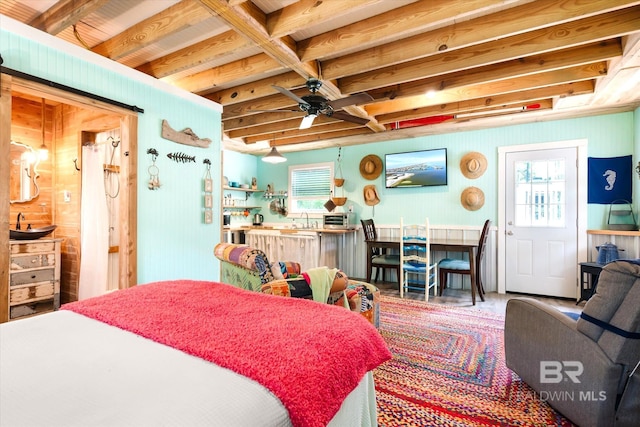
(307, 121)
(274, 157)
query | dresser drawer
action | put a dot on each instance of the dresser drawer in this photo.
(34, 292)
(44, 275)
(32, 261)
(32, 247)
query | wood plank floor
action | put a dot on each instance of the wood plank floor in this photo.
(494, 301)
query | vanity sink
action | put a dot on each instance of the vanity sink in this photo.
(31, 234)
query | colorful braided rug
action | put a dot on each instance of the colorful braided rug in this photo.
(448, 369)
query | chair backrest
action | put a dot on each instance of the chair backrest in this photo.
(482, 243)
(369, 230)
(414, 243)
(616, 302)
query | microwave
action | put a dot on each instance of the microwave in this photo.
(341, 221)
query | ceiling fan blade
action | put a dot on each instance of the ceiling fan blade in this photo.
(349, 118)
(290, 94)
(358, 98)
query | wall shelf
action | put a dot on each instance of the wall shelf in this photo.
(247, 191)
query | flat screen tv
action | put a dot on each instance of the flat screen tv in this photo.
(416, 168)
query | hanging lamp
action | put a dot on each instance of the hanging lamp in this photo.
(274, 156)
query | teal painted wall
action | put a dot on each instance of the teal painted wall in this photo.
(607, 135)
(173, 241)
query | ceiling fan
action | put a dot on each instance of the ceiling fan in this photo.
(315, 105)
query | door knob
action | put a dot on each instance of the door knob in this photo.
(509, 233)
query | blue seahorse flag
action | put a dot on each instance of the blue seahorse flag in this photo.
(609, 179)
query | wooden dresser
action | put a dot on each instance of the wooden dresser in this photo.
(34, 277)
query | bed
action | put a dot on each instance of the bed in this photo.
(190, 353)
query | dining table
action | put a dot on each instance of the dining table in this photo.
(443, 245)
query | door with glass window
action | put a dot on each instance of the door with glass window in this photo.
(541, 222)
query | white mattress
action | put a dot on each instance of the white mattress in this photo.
(64, 369)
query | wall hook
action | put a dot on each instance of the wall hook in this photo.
(75, 163)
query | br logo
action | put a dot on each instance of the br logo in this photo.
(553, 371)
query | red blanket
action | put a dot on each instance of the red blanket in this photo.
(310, 355)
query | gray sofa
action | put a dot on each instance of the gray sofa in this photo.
(577, 366)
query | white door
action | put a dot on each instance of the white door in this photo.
(541, 244)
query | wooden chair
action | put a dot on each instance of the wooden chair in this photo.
(380, 260)
(460, 266)
(418, 273)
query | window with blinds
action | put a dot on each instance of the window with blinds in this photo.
(310, 187)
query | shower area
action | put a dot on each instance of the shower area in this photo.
(100, 207)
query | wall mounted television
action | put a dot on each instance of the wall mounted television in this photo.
(422, 168)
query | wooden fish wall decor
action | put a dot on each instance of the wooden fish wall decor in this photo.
(185, 136)
(181, 157)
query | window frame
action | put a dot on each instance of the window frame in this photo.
(292, 199)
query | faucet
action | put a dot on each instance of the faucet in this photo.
(20, 214)
(307, 214)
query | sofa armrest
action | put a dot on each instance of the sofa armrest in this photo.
(568, 369)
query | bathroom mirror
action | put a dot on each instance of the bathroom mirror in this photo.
(24, 173)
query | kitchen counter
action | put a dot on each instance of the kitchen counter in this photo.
(289, 230)
(311, 247)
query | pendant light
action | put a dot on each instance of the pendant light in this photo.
(274, 156)
(43, 152)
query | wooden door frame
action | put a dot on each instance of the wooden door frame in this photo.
(581, 146)
(128, 175)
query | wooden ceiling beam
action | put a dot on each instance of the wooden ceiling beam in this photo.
(272, 102)
(64, 14)
(567, 75)
(525, 96)
(187, 13)
(568, 58)
(329, 125)
(213, 49)
(401, 22)
(256, 119)
(305, 13)
(442, 41)
(589, 30)
(250, 21)
(323, 136)
(257, 89)
(207, 80)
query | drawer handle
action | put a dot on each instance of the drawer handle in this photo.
(33, 276)
(33, 261)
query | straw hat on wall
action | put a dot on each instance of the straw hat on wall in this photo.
(370, 166)
(473, 165)
(370, 195)
(472, 198)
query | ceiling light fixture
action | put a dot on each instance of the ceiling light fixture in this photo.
(307, 121)
(274, 157)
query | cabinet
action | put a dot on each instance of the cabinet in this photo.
(34, 277)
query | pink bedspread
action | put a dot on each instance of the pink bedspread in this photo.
(310, 355)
